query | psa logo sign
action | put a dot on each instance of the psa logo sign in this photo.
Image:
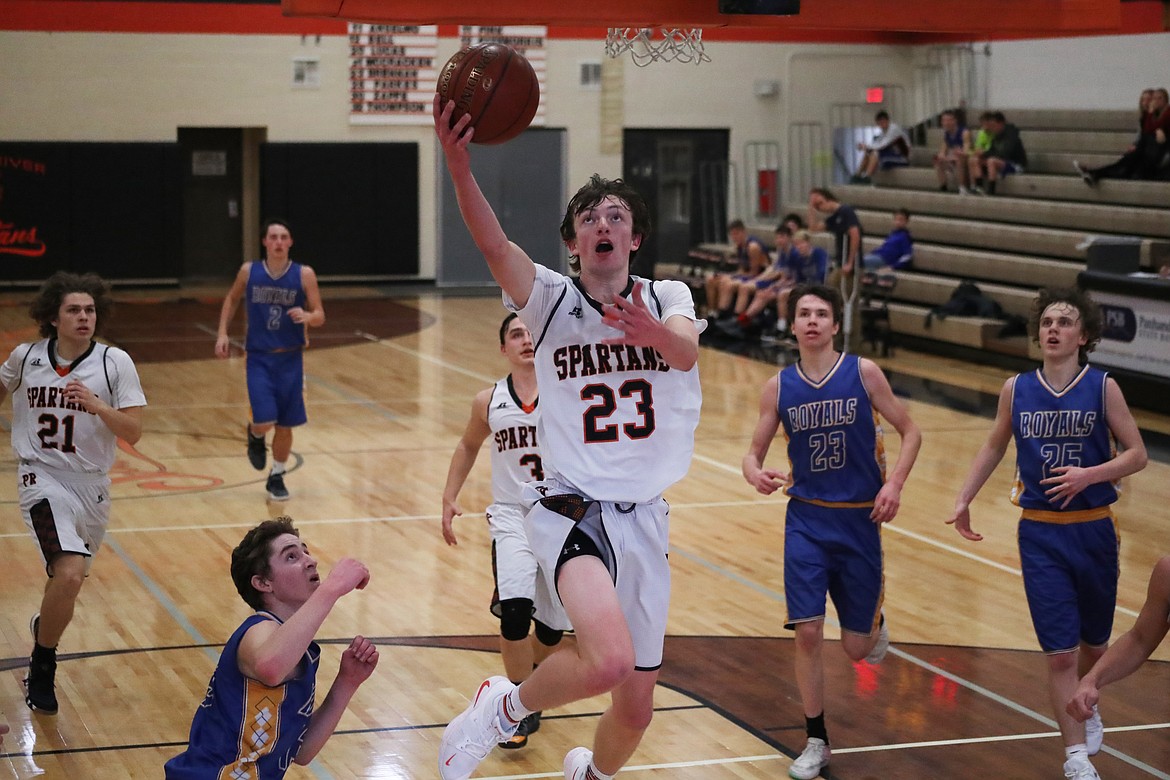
(1118, 323)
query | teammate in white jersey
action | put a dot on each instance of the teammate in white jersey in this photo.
(507, 411)
(72, 399)
(616, 363)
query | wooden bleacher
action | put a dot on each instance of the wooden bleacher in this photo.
(1031, 234)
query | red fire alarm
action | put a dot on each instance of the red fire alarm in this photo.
(875, 94)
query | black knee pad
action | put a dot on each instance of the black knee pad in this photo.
(515, 618)
(549, 637)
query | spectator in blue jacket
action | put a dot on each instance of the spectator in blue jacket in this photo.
(897, 250)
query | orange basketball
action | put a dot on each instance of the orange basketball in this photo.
(496, 85)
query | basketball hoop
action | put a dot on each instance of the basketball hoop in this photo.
(656, 44)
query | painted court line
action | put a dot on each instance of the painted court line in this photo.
(839, 751)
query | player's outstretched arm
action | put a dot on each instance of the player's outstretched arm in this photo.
(228, 310)
(765, 481)
(1133, 648)
(466, 451)
(984, 464)
(357, 664)
(889, 498)
(510, 266)
(270, 651)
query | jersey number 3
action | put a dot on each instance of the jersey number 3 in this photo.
(606, 405)
(50, 426)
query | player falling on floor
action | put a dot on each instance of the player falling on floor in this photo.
(616, 362)
(72, 399)
(839, 494)
(508, 412)
(1066, 418)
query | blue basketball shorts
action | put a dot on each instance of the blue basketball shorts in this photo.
(835, 551)
(276, 387)
(1070, 579)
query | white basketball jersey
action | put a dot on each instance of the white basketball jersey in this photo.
(46, 428)
(515, 447)
(617, 422)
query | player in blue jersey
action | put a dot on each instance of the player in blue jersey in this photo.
(838, 492)
(282, 300)
(259, 714)
(1066, 418)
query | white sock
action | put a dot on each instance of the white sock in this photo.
(595, 773)
(1080, 751)
(512, 708)
(278, 466)
(782, 324)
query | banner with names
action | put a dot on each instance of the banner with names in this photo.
(394, 68)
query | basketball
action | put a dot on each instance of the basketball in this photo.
(496, 85)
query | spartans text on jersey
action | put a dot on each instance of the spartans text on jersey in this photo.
(520, 437)
(51, 397)
(577, 360)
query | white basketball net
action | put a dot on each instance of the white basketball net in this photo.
(657, 44)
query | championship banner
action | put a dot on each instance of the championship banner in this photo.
(393, 68)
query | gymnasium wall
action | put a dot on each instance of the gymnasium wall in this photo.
(129, 86)
(1102, 72)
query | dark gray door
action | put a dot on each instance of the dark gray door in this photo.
(664, 166)
(212, 201)
(523, 180)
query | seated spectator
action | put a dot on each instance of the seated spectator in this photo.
(1148, 157)
(896, 251)
(951, 159)
(759, 285)
(751, 258)
(806, 264)
(747, 288)
(981, 140)
(794, 222)
(1004, 157)
(890, 149)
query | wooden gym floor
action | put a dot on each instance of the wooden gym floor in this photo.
(389, 384)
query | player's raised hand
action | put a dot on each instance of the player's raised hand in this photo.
(453, 139)
(639, 327)
(349, 574)
(358, 661)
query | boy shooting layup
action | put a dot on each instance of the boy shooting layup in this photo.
(616, 363)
